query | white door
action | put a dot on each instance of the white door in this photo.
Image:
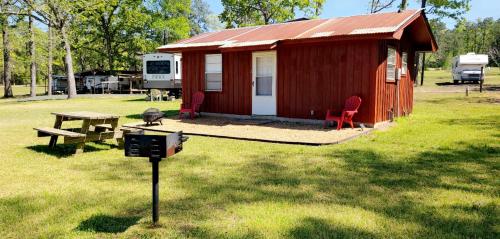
(264, 83)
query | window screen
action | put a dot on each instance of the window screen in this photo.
(213, 72)
(391, 64)
(404, 59)
(158, 67)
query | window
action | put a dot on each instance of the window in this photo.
(176, 67)
(158, 67)
(213, 72)
(404, 59)
(391, 64)
(264, 78)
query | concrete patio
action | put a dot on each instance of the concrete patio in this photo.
(255, 130)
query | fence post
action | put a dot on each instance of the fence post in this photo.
(481, 80)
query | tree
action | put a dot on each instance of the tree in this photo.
(239, 13)
(446, 8)
(199, 17)
(379, 5)
(49, 59)
(443, 8)
(31, 53)
(60, 13)
(7, 67)
(494, 51)
(105, 15)
(170, 19)
(403, 5)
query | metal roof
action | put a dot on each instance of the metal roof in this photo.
(369, 24)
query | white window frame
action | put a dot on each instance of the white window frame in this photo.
(404, 63)
(389, 77)
(218, 71)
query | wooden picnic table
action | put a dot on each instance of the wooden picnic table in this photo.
(95, 127)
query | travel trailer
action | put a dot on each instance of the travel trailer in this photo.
(162, 71)
(468, 67)
(93, 83)
(60, 84)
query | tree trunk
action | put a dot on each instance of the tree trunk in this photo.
(6, 58)
(109, 50)
(423, 70)
(424, 2)
(69, 64)
(403, 5)
(49, 62)
(31, 53)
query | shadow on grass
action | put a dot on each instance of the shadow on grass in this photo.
(141, 99)
(451, 83)
(462, 99)
(107, 224)
(167, 113)
(311, 227)
(486, 123)
(365, 179)
(67, 150)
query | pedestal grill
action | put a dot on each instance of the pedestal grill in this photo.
(156, 147)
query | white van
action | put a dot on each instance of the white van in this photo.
(468, 67)
(162, 71)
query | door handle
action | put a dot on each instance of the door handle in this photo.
(253, 83)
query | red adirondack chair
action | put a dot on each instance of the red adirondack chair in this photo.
(350, 108)
(194, 107)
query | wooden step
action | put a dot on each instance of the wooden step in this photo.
(47, 131)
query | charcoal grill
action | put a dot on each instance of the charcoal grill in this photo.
(152, 115)
(156, 147)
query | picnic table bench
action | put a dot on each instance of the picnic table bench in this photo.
(95, 127)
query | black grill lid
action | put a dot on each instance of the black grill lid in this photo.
(152, 115)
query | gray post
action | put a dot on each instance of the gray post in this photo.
(481, 80)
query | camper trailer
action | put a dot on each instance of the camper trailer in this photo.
(60, 84)
(98, 83)
(162, 71)
(468, 67)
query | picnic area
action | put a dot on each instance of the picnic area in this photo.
(434, 174)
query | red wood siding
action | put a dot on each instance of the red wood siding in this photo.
(310, 77)
(321, 77)
(386, 91)
(235, 97)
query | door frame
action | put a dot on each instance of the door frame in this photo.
(274, 96)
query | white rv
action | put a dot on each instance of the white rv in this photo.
(162, 71)
(468, 67)
(93, 83)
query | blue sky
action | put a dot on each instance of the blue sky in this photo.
(337, 8)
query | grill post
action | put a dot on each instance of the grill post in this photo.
(154, 163)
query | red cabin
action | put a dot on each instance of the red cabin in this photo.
(300, 69)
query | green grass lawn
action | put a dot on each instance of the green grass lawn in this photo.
(433, 175)
(492, 77)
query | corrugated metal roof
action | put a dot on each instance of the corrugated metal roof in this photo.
(315, 28)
